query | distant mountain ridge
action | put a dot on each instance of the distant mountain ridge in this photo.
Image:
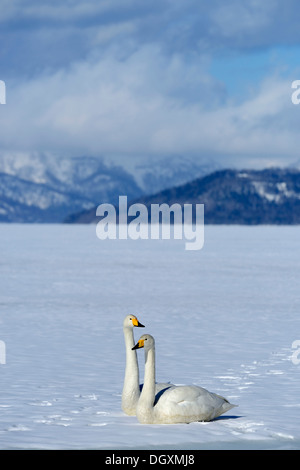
(270, 196)
(45, 188)
(41, 192)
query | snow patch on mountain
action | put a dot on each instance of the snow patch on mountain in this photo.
(274, 192)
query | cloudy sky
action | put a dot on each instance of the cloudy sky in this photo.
(131, 78)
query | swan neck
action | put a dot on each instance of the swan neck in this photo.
(131, 388)
(131, 369)
(148, 391)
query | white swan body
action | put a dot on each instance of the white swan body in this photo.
(182, 404)
(132, 388)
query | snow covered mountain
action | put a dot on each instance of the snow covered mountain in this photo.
(154, 175)
(47, 188)
(270, 196)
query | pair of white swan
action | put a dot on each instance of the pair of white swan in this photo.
(132, 388)
(175, 404)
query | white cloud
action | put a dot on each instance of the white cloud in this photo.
(134, 79)
(147, 104)
(38, 35)
(239, 19)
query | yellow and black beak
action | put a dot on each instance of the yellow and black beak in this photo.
(135, 322)
(139, 344)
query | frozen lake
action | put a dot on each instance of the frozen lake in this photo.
(224, 317)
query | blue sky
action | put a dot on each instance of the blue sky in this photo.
(243, 72)
(128, 78)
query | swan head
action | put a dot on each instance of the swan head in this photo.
(130, 321)
(145, 341)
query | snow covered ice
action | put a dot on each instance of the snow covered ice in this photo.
(224, 318)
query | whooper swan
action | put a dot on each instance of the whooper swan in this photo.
(131, 387)
(182, 404)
